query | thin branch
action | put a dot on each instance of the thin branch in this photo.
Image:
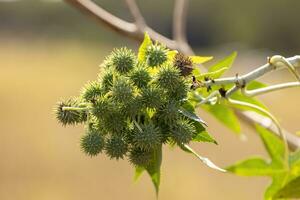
(179, 26)
(253, 75)
(256, 92)
(120, 26)
(137, 15)
(101, 15)
(179, 20)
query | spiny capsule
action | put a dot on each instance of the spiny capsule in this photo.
(140, 76)
(123, 60)
(148, 138)
(92, 91)
(168, 77)
(116, 147)
(92, 143)
(122, 90)
(152, 97)
(184, 63)
(70, 116)
(182, 131)
(156, 55)
(180, 92)
(168, 112)
(106, 80)
(140, 157)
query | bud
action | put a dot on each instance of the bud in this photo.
(152, 97)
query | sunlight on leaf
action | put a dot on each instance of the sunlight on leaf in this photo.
(142, 50)
(154, 168)
(253, 167)
(225, 115)
(226, 62)
(200, 59)
(290, 190)
(273, 144)
(212, 75)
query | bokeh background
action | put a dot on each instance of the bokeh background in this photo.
(48, 50)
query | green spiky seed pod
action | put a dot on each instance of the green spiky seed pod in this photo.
(168, 77)
(140, 76)
(182, 131)
(184, 63)
(107, 63)
(106, 80)
(152, 97)
(74, 115)
(123, 60)
(180, 92)
(122, 90)
(102, 107)
(148, 138)
(132, 107)
(92, 143)
(156, 55)
(140, 157)
(168, 112)
(116, 147)
(92, 91)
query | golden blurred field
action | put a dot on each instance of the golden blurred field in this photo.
(41, 160)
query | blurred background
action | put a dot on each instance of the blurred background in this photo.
(48, 50)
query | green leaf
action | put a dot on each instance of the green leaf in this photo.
(200, 59)
(138, 172)
(142, 50)
(225, 115)
(204, 160)
(191, 116)
(290, 190)
(294, 160)
(277, 183)
(273, 145)
(225, 63)
(212, 75)
(255, 85)
(253, 167)
(153, 168)
(204, 136)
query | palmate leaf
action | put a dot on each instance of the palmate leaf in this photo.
(282, 185)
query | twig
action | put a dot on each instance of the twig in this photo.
(179, 25)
